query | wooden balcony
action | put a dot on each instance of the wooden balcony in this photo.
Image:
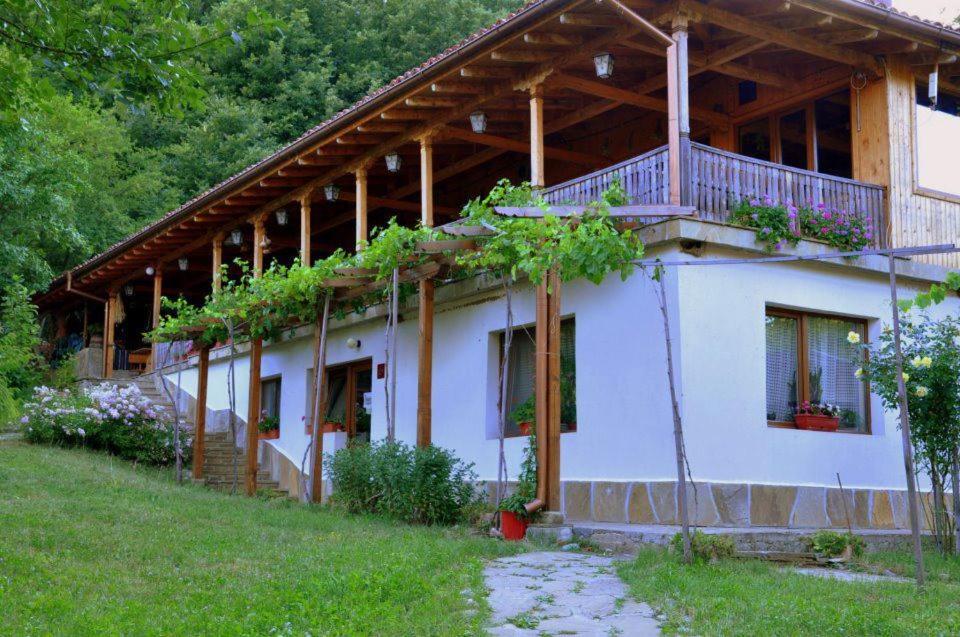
(722, 179)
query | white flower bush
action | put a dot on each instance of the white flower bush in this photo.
(118, 419)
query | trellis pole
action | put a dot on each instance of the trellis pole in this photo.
(319, 406)
(395, 289)
(905, 427)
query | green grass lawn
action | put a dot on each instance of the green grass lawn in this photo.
(740, 597)
(91, 546)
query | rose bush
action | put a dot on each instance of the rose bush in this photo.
(117, 419)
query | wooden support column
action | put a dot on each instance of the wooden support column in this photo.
(155, 363)
(256, 352)
(552, 441)
(318, 407)
(540, 387)
(425, 315)
(361, 201)
(537, 170)
(199, 431)
(217, 261)
(108, 319)
(678, 115)
(305, 229)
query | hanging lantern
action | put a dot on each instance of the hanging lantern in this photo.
(478, 122)
(128, 289)
(236, 237)
(282, 217)
(150, 271)
(183, 263)
(603, 63)
(331, 192)
(393, 162)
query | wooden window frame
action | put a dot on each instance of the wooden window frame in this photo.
(918, 188)
(803, 363)
(278, 379)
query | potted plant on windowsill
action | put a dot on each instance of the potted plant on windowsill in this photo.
(525, 415)
(332, 425)
(817, 417)
(514, 516)
(269, 427)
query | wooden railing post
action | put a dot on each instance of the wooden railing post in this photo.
(200, 422)
(425, 310)
(155, 315)
(256, 354)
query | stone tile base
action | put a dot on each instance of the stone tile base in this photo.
(736, 505)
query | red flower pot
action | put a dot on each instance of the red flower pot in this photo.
(512, 527)
(816, 423)
(524, 428)
(330, 427)
(273, 434)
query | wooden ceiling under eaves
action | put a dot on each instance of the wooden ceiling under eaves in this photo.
(772, 43)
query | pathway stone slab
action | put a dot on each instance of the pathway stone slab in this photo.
(554, 593)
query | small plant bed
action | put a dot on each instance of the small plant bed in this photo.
(93, 546)
(754, 597)
(782, 224)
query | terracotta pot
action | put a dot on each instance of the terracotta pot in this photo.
(331, 427)
(512, 527)
(525, 428)
(810, 422)
(273, 434)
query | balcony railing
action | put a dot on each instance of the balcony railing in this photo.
(722, 179)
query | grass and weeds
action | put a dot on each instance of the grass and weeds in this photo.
(750, 597)
(91, 546)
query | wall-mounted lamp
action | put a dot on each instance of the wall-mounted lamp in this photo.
(282, 217)
(128, 289)
(236, 237)
(183, 263)
(331, 192)
(150, 270)
(353, 343)
(393, 162)
(603, 63)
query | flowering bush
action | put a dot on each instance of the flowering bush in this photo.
(931, 373)
(779, 224)
(120, 420)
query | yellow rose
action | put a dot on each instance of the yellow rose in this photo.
(853, 338)
(922, 391)
(906, 377)
(859, 372)
(927, 361)
(916, 361)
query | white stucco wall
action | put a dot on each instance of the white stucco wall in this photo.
(624, 422)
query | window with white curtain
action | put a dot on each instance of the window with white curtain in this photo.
(808, 358)
(937, 128)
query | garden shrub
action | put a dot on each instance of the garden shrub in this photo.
(426, 485)
(119, 420)
(833, 544)
(704, 547)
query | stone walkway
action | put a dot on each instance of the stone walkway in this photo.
(551, 593)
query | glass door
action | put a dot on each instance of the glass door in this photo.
(348, 407)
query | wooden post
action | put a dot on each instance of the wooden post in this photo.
(217, 261)
(108, 318)
(86, 322)
(155, 316)
(256, 353)
(680, 37)
(305, 229)
(361, 207)
(912, 503)
(425, 315)
(541, 384)
(199, 432)
(319, 407)
(552, 441)
(537, 171)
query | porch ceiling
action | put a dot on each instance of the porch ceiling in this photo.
(549, 42)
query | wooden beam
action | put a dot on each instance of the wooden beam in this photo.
(537, 168)
(521, 147)
(789, 39)
(425, 364)
(851, 35)
(541, 385)
(552, 39)
(521, 56)
(588, 20)
(552, 440)
(638, 21)
(200, 421)
(452, 86)
(305, 229)
(361, 207)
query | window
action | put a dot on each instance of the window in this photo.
(810, 359)
(270, 398)
(938, 136)
(522, 375)
(754, 139)
(349, 396)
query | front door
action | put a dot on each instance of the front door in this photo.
(349, 398)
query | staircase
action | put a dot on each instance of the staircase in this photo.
(218, 467)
